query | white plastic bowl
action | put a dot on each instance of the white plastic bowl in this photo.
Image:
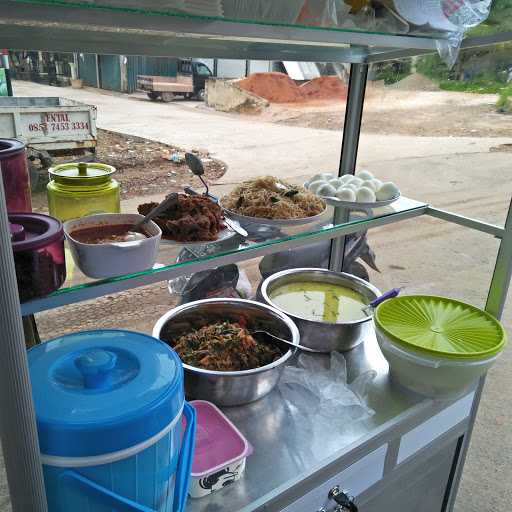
(435, 377)
(113, 259)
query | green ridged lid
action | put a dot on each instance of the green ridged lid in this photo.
(440, 327)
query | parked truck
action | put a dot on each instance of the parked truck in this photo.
(49, 126)
(189, 82)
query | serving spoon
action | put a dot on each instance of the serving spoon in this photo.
(132, 235)
(196, 166)
(266, 337)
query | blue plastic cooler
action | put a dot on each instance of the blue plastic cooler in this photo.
(109, 406)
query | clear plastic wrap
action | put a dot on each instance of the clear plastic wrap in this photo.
(316, 394)
(451, 17)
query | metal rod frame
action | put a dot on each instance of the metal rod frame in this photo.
(469, 43)
(495, 304)
(349, 150)
(467, 222)
(18, 429)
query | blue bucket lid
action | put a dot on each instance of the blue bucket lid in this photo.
(98, 392)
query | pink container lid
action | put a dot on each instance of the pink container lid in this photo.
(218, 441)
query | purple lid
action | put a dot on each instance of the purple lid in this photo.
(10, 147)
(30, 231)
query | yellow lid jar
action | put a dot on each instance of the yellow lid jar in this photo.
(76, 190)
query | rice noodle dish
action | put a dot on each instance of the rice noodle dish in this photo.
(272, 198)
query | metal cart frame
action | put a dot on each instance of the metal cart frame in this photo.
(120, 32)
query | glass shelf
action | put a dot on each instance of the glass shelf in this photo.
(286, 14)
(123, 27)
(174, 261)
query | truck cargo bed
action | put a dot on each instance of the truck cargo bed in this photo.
(48, 123)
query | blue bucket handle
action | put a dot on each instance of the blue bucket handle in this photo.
(73, 479)
(185, 462)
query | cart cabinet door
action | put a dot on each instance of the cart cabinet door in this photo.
(420, 488)
(354, 480)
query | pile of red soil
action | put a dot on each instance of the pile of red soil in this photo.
(274, 87)
(280, 88)
(324, 88)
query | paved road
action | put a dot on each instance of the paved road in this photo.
(248, 146)
(425, 255)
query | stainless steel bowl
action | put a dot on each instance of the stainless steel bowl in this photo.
(228, 388)
(324, 336)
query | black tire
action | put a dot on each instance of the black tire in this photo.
(201, 95)
(153, 96)
(167, 97)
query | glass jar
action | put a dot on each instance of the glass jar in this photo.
(15, 176)
(38, 245)
(77, 190)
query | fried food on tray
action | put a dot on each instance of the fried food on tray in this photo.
(191, 219)
(271, 198)
(224, 346)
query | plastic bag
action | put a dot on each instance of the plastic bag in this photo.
(225, 281)
(454, 17)
(316, 393)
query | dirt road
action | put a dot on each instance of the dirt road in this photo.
(389, 111)
(456, 173)
(253, 146)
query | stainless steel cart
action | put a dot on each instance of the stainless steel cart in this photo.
(411, 454)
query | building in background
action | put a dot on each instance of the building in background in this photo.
(119, 72)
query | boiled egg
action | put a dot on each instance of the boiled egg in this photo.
(365, 195)
(365, 175)
(326, 190)
(369, 184)
(387, 191)
(346, 194)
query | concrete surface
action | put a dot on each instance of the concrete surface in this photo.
(424, 255)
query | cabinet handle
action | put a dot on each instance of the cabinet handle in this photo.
(344, 501)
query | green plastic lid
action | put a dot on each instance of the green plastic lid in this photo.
(82, 173)
(440, 327)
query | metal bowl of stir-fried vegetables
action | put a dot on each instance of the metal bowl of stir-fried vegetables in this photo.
(223, 363)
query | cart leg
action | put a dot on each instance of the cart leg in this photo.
(17, 419)
(31, 333)
(495, 303)
(349, 147)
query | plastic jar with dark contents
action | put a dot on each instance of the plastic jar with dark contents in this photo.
(38, 246)
(15, 175)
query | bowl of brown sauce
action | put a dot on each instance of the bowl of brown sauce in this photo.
(105, 245)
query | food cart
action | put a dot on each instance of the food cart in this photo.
(410, 455)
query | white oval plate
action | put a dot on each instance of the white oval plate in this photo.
(244, 219)
(338, 203)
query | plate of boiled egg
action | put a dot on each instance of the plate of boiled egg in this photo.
(363, 190)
